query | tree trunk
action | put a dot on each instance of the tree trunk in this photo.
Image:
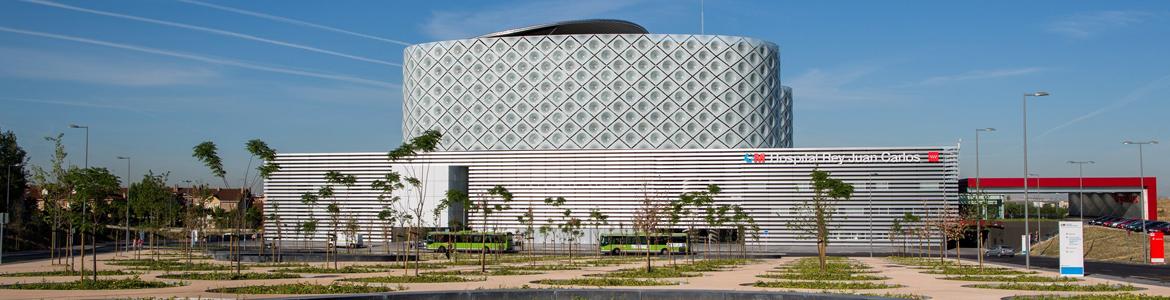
(81, 234)
(821, 249)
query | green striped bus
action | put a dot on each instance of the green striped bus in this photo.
(617, 243)
(469, 241)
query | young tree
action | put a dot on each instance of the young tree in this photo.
(91, 186)
(596, 219)
(744, 223)
(816, 216)
(505, 197)
(428, 141)
(453, 198)
(386, 188)
(715, 217)
(528, 219)
(556, 202)
(333, 178)
(646, 221)
(55, 189)
(309, 227)
(208, 153)
(908, 218)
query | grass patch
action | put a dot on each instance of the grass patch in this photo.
(89, 284)
(305, 288)
(825, 285)
(920, 261)
(170, 265)
(976, 271)
(320, 270)
(605, 281)
(658, 272)
(421, 278)
(67, 273)
(1125, 296)
(279, 265)
(490, 272)
(821, 276)
(545, 267)
(421, 266)
(1021, 278)
(710, 265)
(603, 262)
(1059, 287)
(229, 276)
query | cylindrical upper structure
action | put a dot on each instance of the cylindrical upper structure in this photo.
(597, 91)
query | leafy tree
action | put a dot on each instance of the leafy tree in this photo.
(309, 227)
(505, 197)
(335, 178)
(596, 219)
(428, 141)
(908, 218)
(386, 187)
(744, 223)
(55, 191)
(91, 186)
(556, 202)
(22, 225)
(208, 153)
(815, 216)
(453, 198)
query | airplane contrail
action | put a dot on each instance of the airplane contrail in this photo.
(1134, 95)
(213, 31)
(293, 21)
(205, 59)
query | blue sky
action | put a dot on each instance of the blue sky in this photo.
(154, 78)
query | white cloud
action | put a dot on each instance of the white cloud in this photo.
(980, 74)
(1086, 25)
(445, 25)
(39, 64)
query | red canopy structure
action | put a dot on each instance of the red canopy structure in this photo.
(1120, 190)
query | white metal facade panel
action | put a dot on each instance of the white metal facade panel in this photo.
(615, 181)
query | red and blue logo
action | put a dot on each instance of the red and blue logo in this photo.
(754, 158)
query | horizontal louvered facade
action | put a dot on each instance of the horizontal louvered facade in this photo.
(768, 183)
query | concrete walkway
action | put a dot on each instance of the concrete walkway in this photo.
(914, 280)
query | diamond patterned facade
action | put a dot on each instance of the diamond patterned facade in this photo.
(598, 91)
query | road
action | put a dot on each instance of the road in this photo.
(29, 255)
(1147, 274)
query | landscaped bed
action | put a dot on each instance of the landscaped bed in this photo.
(976, 271)
(306, 288)
(490, 272)
(67, 273)
(605, 281)
(1125, 296)
(818, 276)
(170, 265)
(229, 276)
(656, 272)
(825, 285)
(320, 270)
(1020, 278)
(1058, 287)
(90, 284)
(422, 278)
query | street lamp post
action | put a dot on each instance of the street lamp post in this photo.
(1142, 179)
(1081, 192)
(127, 158)
(84, 204)
(7, 207)
(870, 189)
(980, 196)
(1024, 103)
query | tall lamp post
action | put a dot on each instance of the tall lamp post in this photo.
(127, 158)
(1081, 193)
(870, 190)
(1142, 179)
(981, 197)
(83, 206)
(1028, 243)
(7, 207)
(1039, 210)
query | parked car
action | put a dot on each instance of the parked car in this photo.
(1122, 224)
(1109, 222)
(1155, 225)
(1000, 251)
